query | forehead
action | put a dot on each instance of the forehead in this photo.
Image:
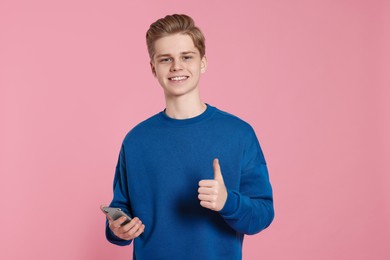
(174, 44)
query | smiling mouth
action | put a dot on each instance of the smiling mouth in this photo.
(178, 78)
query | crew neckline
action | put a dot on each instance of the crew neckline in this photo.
(188, 121)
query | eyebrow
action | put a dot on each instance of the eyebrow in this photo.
(182, 53)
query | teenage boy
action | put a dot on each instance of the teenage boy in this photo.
(192, 177)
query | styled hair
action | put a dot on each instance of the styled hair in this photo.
(174, 24)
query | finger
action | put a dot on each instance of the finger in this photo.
(101, 208)
(217, 171)
(117, 223)
(139, 231)
(208, 204)
(130, 235)
(206, 190)
(210, 198)
(133, 229)
(131, 224)
(207, 183)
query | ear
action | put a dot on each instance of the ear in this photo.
(153, 69)
(203, 65)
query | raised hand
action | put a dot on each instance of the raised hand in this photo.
(213, 193)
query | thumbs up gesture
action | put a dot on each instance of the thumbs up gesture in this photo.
(213, 193)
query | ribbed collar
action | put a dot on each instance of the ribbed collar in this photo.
(210, 110)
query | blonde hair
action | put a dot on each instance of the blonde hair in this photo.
(173, 24)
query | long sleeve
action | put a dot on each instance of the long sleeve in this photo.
(159, 168)
(121, 197)
(250, 209)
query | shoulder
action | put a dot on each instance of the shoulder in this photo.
(232, 121)
(142, 128)
(235, 127)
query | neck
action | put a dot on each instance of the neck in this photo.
(184, 108)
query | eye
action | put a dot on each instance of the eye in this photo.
(187, 57)
(166, 60)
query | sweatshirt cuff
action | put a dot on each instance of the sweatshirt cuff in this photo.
(231, 204)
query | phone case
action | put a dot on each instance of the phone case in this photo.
(116, 213)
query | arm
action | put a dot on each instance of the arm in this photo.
(249, 209)
(115, 232)
(250, 213)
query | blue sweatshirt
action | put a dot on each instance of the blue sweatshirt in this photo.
(160, 164)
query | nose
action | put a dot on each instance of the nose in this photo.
(176, 65)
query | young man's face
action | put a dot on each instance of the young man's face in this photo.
(177, 65)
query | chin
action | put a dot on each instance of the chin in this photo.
(178, 91)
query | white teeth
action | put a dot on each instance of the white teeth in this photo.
(178, 78)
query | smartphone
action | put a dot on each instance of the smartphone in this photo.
(116, 213)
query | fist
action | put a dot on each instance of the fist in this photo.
(213, 193)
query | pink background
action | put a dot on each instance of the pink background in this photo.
(312, 77)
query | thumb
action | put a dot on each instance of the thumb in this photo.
(217, 171)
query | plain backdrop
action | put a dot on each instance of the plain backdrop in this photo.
(312, 78)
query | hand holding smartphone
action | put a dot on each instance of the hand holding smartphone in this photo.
(116, 213)
(131, 231)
